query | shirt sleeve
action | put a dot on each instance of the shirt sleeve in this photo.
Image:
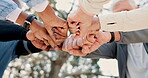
(32, 3)
(6, 7)
(134, 37)
(14, 15)
(125, 21)
(108, 51)
(92, 7)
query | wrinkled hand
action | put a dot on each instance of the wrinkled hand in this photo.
(81, 47)
(79, 22)
(124, 5)
(37, 42)
(56, 27)
(58, 30)
(41, 33)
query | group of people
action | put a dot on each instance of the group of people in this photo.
(122, 35)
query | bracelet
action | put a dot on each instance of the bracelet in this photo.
(28, 21)
(112, 37)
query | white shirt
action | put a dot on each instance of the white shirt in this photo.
(137, 61)
(123, 21)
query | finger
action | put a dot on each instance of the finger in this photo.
(39, 45)
(82, 31)
(60, 30)
(64, 47)
(50, 32)
(86, 49)
(58, 36)
(30, 35)
(75, 46)
(39, 36)
(86, 41)
(46, 42)
(91, 38)
(79, 42)
(72, 26)
(70, 43)
(49, 41)
(56, 30)
(95, 46)
(65, 44)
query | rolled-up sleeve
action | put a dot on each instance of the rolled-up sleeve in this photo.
(6, 7)
(32, 3)
(125, 21)
(92, 6)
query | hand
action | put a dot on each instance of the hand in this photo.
(41, 33)
(79, 22)
(56, 27)
(37, 29)
(124, 5)
(77, 47)
(95, 26)
(81, 47)
(36, 42)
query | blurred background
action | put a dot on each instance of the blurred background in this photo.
(58, 64)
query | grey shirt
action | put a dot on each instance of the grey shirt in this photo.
(120, 51)
(134, 37)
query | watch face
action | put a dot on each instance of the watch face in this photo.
(27, 24)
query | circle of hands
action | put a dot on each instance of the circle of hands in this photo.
(52, 34)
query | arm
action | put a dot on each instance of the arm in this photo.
(10, 31)
(108, 50)
(77, 20)
(10, 11)
(125, 21)
(134, 37)
(26, 48)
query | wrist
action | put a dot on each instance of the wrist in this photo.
(112, 37)
(109, 36)
(28, 21)
(48, 12)
(117, 36)
(36, 25)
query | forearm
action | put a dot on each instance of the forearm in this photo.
(10, 31)
(48, 12)
(125, 21)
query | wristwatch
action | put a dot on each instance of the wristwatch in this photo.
(28, 21)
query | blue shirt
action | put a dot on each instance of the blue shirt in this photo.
(7, 54)
(7, 6)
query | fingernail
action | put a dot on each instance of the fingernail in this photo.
(54, 35)
(78, 27)
(53, 30)
(54, 46)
